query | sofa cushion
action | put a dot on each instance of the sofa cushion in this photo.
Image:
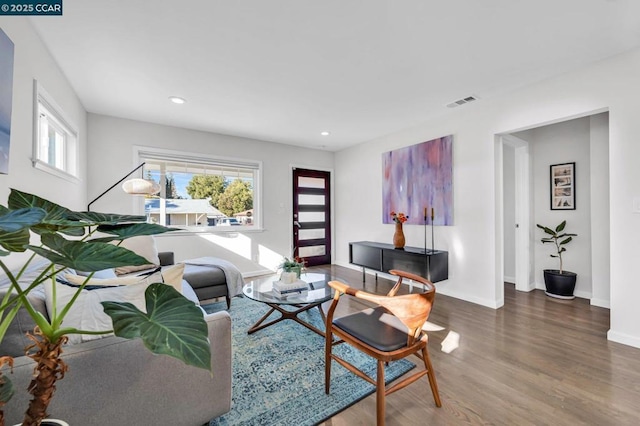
(171, 275)
(103, 274)
(78, 280)
(144, 246)
(87, 313)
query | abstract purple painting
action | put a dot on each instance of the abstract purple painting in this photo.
(418, 181)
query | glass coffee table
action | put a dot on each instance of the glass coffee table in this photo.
(261, 290)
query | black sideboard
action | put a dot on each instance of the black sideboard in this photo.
(434, 265)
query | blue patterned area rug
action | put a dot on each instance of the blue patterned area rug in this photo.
(278, 372)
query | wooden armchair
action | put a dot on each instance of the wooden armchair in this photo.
(389, 332)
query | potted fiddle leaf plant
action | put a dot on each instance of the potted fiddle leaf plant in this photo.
(172, 325)
(559, 283)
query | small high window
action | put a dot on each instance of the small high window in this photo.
(55, 145)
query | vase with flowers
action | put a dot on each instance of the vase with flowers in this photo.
(398, 236)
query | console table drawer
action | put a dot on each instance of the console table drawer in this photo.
(398, 259)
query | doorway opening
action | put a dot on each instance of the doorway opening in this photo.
(524, 158)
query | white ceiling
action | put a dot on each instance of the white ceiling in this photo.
(285, 70)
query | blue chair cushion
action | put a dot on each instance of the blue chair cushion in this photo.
(376, 327)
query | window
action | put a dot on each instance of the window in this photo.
(55, 145)
(202, 192)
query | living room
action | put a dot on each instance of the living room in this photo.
(475, 242)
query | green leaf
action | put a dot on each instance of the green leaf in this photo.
(20, 200)
(546, 230)
(6, 388)
(96, 218)
(84, 255)
(17, 220)
(560, 227)
(123, 231)
(568, 240)
(56, 218)
(14, 227)
(15, 241)
(173, 325)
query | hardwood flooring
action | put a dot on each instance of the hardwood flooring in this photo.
(536, 361)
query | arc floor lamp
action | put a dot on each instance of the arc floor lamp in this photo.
(136, 186)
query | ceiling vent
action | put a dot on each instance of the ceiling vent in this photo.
(462, 101)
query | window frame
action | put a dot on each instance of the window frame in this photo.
(58, 120)
(144, 153)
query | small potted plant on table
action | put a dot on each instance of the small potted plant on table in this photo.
(558, 282)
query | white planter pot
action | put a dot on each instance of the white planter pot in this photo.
(51, 422)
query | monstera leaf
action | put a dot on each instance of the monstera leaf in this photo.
(85, 256)
(96, 218)
(6, 388)
(56, 218)
(173, 325)
(16, 220)
(128, 230)
(14, 227)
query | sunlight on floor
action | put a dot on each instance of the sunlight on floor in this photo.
(451, 342)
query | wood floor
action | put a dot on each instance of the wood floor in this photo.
(536, 361)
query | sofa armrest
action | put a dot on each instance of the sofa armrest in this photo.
(166, 258)
(118, 381)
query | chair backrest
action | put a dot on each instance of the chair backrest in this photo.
(420, 308)
(411, 309)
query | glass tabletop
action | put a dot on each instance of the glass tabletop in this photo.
(261, 289)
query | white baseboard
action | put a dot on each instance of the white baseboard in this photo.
(625, 339)
(510, 280)
(251, 274)
(493, 304)
(602, 303)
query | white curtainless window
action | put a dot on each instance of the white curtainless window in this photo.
(201, 192)
(55, 144)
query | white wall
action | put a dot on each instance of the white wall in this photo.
(600, 267)
(564, 142)
(472, 243)
(509, 188)
(111, 156)
(33, 61)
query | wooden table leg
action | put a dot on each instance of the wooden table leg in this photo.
(285, 314)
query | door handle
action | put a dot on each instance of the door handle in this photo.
(296, 223)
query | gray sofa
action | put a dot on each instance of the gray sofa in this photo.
(117, 381)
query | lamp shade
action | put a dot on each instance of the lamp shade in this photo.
(140, 187)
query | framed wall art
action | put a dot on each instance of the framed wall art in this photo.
(563, 186)
(418, 181)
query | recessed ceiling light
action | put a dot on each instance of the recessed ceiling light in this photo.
(177, 100)
(325, 133)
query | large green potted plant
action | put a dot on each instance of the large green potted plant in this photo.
(558, 282)
(172, 324)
